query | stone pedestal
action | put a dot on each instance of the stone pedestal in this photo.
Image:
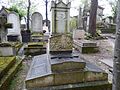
(86, 46)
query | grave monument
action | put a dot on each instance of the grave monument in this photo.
(14, 33)
(62, 68)
(37, 26)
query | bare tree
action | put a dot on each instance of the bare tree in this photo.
(116, 68)
(28, 14)
(93, 15)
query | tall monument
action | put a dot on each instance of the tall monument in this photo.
(60, 17)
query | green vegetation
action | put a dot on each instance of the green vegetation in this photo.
(5, 61)
(32, 44)
(37, 34)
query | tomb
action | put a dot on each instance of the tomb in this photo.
(62, 68)
(86, 46)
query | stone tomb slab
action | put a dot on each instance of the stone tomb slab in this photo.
(86, 46)
(40, 66)
(41, 75)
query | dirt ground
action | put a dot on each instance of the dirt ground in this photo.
(106, 52)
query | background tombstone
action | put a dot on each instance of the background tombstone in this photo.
(60, 17)
(80, 25)
(37, 25)
(14, 34)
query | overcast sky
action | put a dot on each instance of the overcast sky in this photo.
(74, 7)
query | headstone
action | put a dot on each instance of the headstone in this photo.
(60, 17)
(78, 34)
(37, 25)
(14, 34)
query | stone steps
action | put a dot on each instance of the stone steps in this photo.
(5, 80)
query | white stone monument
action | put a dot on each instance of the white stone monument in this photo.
(60, 17)
(15, 31)
(37, 25)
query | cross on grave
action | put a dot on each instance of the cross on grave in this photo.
(3, 27)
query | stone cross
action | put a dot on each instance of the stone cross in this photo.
(3, 28)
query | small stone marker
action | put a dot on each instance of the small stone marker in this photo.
(78, 34)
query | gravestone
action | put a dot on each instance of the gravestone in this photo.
(78, 34)
(60, 17)
(37, 25)
(14, 34)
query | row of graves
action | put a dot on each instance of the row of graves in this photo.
(61, 68)
(9, 62)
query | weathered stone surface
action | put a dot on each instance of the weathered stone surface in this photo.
(35, 48)
(86, 46)
(15, 30)
(36, 24)
(41, 75)
(60, 17)
(60, 43)
(67, 64)
(47, 80)
(78, 34)
(68, 78)
(7, 49)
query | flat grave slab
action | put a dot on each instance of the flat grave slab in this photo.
(108, 62)
(40, 66)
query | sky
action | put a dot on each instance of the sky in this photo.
(74, 7)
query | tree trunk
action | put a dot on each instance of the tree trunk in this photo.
(116, 68)
(28, 14)
(93, 15)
